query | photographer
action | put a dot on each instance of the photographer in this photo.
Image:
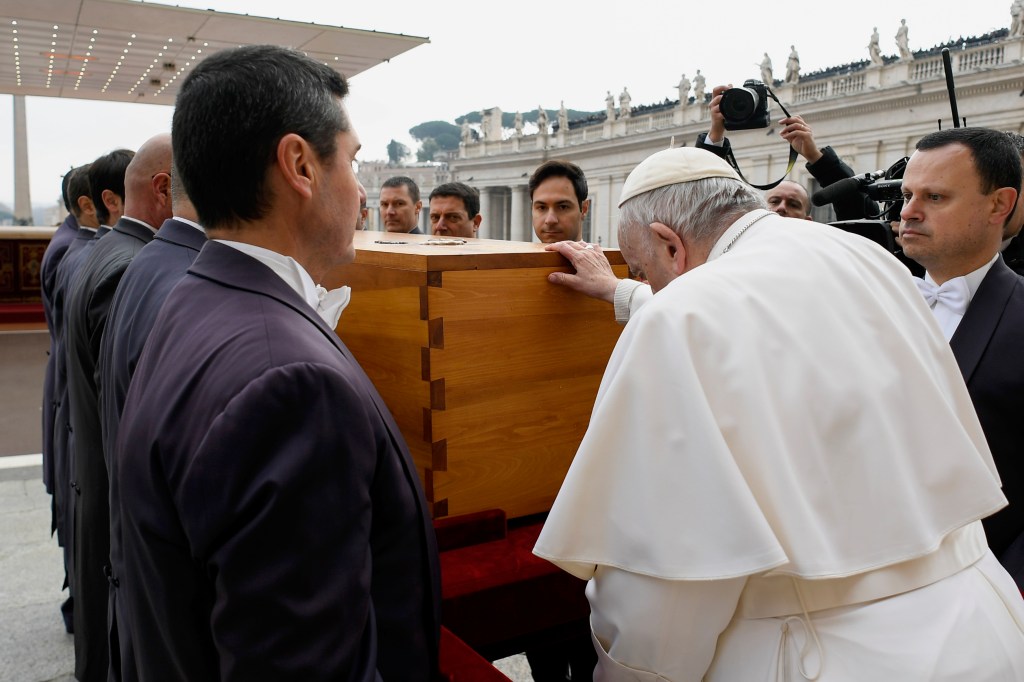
(822, 163)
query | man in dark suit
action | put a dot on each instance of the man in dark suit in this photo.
(55, 250)
(272, 522)
(90, 229)
(146, 203)
(157, 268)
(960, 188)
(400, 205)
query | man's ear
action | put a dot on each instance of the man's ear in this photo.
(111, 200)
(669, 246)
(85, 206)
(477, 219)
(162, 187)
(1003, 203)
(295, 161)
(585, 207)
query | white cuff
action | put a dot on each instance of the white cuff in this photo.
(625, 293)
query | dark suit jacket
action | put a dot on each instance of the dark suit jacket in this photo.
(273, 524)
(52, 257)
(1013, 254)
(86, 317)
(63, 496)
(157, 268)
(989, 347)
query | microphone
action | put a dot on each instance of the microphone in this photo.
(840, 189)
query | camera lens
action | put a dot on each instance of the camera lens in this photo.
(738, 104)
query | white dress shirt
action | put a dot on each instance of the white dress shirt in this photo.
(946, 315)
(328, 304)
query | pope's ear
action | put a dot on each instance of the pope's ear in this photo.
(669, 245)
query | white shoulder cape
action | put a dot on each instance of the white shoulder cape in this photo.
(789, 405)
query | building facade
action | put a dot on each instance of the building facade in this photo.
(872, 114)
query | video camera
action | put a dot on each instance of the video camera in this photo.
(882, 186)
(746, 108)
(885, 187)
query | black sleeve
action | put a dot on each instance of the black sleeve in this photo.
(829, 169)
(721, 152)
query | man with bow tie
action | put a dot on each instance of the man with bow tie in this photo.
(272, 521)
(960, 188)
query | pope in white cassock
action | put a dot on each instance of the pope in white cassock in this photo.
(783, 474)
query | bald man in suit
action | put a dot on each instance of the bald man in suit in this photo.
(146, 205)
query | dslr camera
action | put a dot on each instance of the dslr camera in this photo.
(745, 108)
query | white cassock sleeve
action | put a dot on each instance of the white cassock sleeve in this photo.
(648, 628)
(630, 295)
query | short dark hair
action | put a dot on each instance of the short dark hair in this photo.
(560, 168)
(1017, 139)
(470, 195)
(107, 172)
(77, 186)
(996, 158)
(231, 113)
(403, 181)
(64, 188)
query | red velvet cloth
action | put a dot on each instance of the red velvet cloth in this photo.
(454, 532)
(21, 313)
(459, 663)
(501, 599)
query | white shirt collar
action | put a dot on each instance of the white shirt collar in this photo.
(328, 304)
(140, 222)
(189, 222)
(973, 279)
(949, 318)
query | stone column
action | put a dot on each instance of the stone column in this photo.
(604, 224)
(519, 229)
(485, 213)
(22, 197)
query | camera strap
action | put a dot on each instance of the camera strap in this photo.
(792, 154)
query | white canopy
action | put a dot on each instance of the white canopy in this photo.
(130, 51)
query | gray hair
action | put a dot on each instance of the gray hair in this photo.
(699, 211)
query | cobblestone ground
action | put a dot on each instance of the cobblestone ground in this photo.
(33, 644)
(515, 667)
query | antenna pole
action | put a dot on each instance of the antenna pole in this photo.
(947, 65)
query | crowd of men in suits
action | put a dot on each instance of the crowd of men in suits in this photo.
(221, 506)
(191, 493)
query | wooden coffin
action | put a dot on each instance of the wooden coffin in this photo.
(490, 371)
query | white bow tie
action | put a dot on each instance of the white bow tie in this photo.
(332, 303)
(952, 294)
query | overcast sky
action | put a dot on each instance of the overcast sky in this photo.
(517, 56)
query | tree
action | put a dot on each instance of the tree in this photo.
(444, 134)
(427, 150)
(396, 152)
